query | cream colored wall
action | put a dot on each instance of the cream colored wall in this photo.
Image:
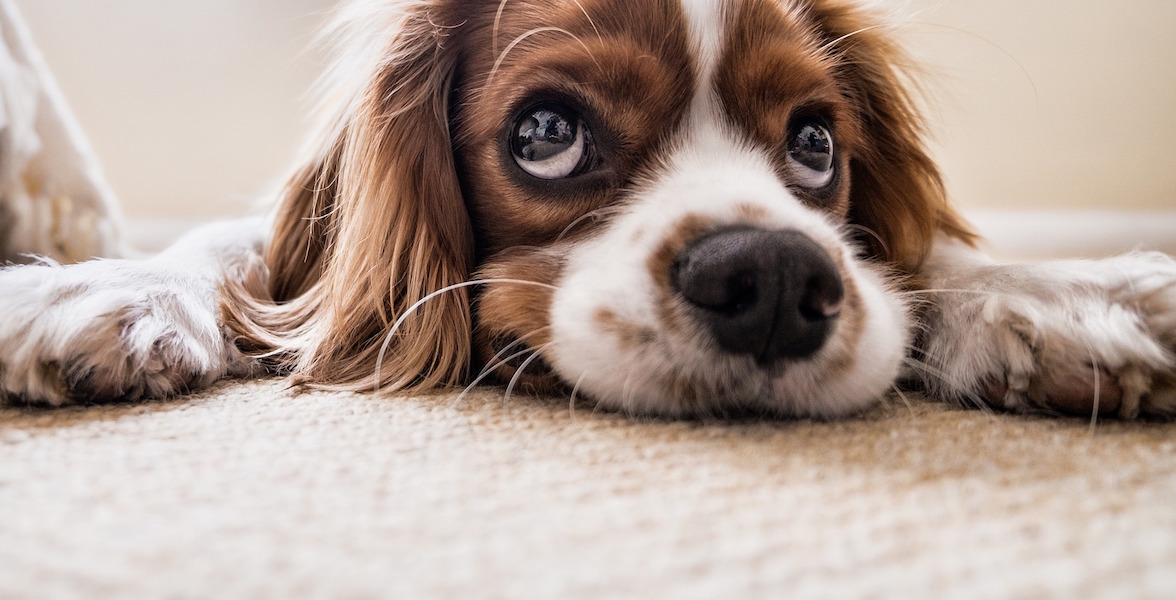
(1053, 103)
(196, 107)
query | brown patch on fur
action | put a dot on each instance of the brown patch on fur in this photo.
(851, 325)
(768, 75)
(660, 264)
(518, 312)
(630, 335)
(750, 214)
(626, 70)
(32, 184)
(897, 191)
(685, 232)
(621, 66)
(830, 58)
(371, 224)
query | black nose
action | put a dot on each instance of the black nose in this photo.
(771, 294)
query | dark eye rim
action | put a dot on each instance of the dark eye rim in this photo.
(839, 164)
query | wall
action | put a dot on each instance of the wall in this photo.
(196, 107)
(1058, 103)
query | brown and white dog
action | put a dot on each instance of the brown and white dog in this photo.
(670, 207)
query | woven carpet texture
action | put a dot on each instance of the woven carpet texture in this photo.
(252, 490)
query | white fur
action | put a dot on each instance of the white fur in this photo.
(124, 328)
(1025, 326)
(709, 175)
(704, 18)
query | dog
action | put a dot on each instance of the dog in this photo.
(680, 208)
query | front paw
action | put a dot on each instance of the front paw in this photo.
(1075, 337)
(108, 330)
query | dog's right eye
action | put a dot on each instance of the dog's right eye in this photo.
(551, 142)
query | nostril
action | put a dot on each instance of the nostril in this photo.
(744, 293)
(739, 294)
(824, 298)
(710, 285)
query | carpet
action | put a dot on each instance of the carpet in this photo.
(251, 490)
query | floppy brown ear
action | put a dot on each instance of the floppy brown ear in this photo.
(371, 224)
(896, 190)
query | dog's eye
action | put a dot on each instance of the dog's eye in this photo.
(551, 143)
(810, 155)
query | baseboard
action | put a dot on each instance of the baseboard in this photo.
(153, 234)
(1011, 234)
(1080, 234)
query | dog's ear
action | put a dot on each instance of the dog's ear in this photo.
(896, 189)
(371, 224)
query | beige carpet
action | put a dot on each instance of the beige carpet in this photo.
(250, 491)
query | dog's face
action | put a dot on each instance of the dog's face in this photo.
(677, 206)
(679, 174)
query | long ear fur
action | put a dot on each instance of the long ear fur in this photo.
(897, 192)
(372, 223)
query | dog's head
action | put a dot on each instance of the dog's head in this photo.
(673, 206)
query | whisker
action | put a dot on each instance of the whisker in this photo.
(498, 24)
(575, 392)
(998, 48)
(870, 232)
(903, 397)
(627, 396)
(491, 368)
(590, 21)
(1097, 386)
(522, 38)
(829, 46)
(419, 303)
(950, 291)
(592, 215)
(519, 373)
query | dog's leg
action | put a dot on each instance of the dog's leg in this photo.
(1077, 337)
(125, 329)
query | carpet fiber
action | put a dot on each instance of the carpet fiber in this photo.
(252, 491)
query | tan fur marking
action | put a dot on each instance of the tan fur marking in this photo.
(630, 335)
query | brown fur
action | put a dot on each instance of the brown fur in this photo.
(373, 225)
(897, 192)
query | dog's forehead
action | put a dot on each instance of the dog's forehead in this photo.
(659, 26)
(648, 60)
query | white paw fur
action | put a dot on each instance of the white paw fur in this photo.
(117, 329)
(1078, 337)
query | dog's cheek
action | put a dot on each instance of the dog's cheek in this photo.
(512, 318)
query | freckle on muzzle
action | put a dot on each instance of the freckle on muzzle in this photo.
(774, 295)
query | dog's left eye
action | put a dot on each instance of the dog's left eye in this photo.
(810, 155)
(551, 142)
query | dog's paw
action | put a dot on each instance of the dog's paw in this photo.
(1075, 337)
(109, 330)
